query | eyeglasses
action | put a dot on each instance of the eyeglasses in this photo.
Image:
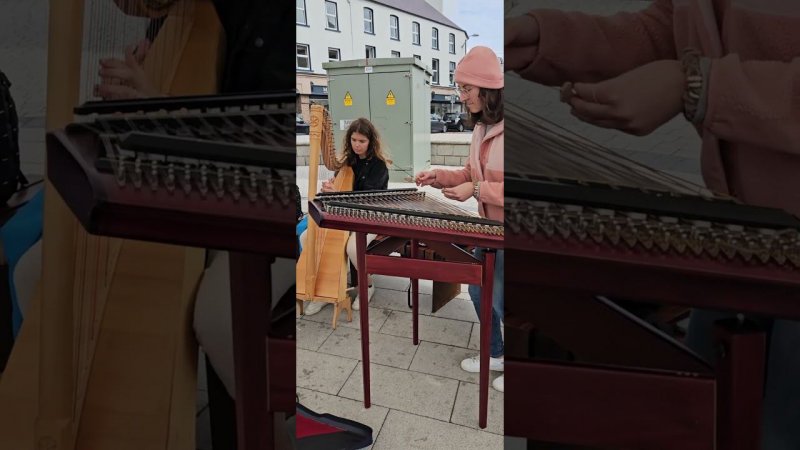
(465, 89)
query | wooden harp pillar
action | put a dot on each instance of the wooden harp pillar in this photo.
(106, 357)
(322, 266)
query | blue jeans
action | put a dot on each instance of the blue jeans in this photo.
(782, 396)
(498, 297)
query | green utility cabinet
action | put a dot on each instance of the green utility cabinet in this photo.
(395, 95)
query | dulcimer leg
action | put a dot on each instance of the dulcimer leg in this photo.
(363, 295)
(487, 286)
(251, 311)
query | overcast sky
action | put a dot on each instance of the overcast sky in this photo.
(482, 17)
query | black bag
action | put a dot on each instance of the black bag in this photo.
(11, 177)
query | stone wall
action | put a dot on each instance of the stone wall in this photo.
(447, 149)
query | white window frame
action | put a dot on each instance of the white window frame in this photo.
(395, 54)
(298, 56)
(338, 54)
(435, 38)
(452, 43)
(300, 6)
(435, 70)
(394, 27)
(415, 33)
(418, 58)
(371, 21)
(452, 73)
(328, 15)
(374, 51)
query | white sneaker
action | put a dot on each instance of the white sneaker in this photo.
(371, 292)
(311, 308)
(472, 364)
(499, 383)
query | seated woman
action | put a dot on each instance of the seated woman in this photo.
(364, 153)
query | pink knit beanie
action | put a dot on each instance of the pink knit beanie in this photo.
(481, 68)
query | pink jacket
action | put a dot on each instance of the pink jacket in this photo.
(751, 131)
(488, 148)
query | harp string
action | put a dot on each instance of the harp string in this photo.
(109, 32)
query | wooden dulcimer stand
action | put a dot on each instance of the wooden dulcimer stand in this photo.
(408, 215)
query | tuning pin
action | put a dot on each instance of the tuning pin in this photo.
(251, 187)
(119, 171)
(152, 175)
(236, 189)
(169, 181)
(219, 183)
(266, 189)
(137, 173)
(202, 184)
(187, 179)
(286, 184)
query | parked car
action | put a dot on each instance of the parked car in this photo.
(301, 127)
(459, 122)
(437, 124)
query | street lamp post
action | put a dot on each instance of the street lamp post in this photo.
(464, 46)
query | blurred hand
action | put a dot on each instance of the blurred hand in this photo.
(126, 79)
(461, 192)
(636, 102)
(521, 41)
(327, 186)
(140, 50)
(425, 178)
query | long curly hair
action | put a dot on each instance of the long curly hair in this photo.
(492, 111)
(365, 127)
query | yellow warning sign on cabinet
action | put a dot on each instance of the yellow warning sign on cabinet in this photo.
(390, 98)
(348, 99)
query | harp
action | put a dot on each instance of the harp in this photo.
(322, 267)
(85, 372)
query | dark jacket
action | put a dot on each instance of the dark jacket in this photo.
(260, 45)
(370, 174)
(298, 203)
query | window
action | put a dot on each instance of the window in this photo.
(369, 25)
(435, 39)
(303, 57)
(394, 28)
(370, 51)
(395, 54)
(435, 71)
(301, 12)
(335, 55)
(452, 73)
(332, 16)
(418, 57)
(452, 43)
(415, 33)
